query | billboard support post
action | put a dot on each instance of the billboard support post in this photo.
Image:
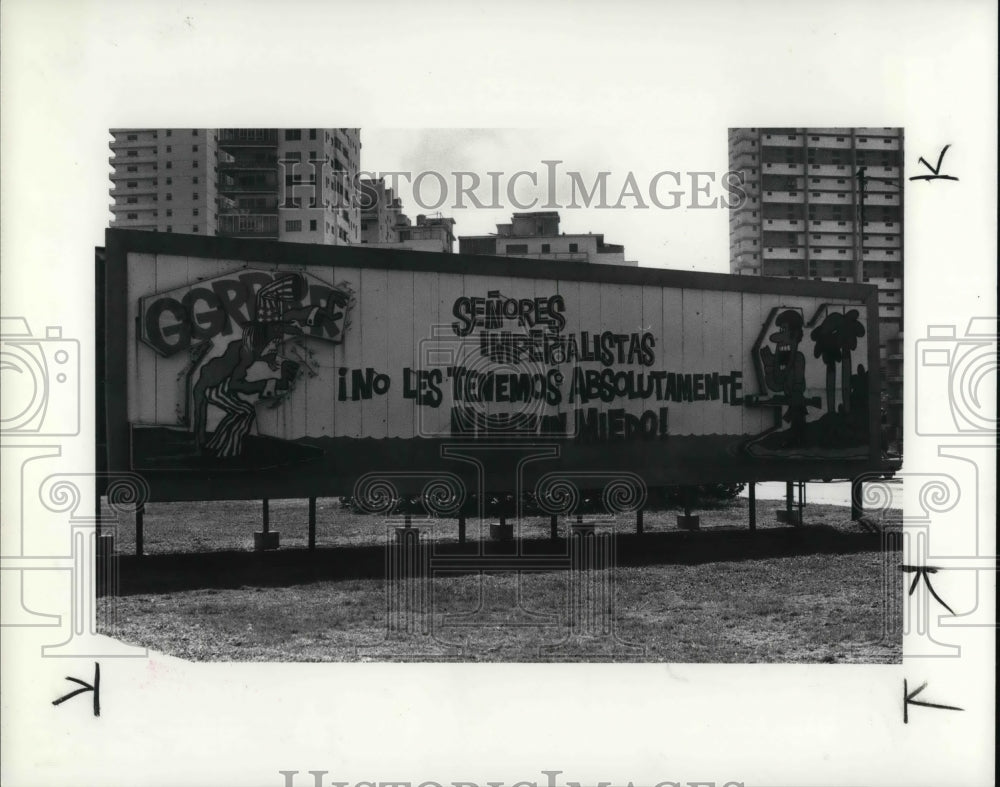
(265, 539)
(140, 510)
(857, 510)
(753, 505)
(688, 521)
(639, 528)
(461, 528)
(312, 523)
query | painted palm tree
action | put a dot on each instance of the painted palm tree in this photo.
(829, 348)
(850, 331)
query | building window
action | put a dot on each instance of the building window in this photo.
(170, 165)
(293, 155)
(194, 179)
(169, 197)
(169, 228)
(194, 148)
(131, 184)
(292, 134)
(194, 196)
(546, 248)
(131, 168)
(170, 181)
(293, 225)
(131, 215)
(194, 228)
(132, 200)
(312, 225)
(312, 133)
(169, 132)
(132, 153)
(132, 137)
(573, 248)
(194, 212)
(517, 248)
(194, 164)
(170, 212)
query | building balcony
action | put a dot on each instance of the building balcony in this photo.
(778, 253)
(119, 191)
(248, 137)
(776, 138)
(879, 241)
(744, 160)
(830, 197)
(784, 225)
(828, 170)
(782, 168)
(881, 255)
(830, 141)
(247, 188)
(789, 197)
(881, 198)
(885, 227)
(876, 143)
(248, 225)
(250, 164)
(830, 243)
(131, 144)
(826, 226)
(122, 174)
(745, 145)
(844, 183)
(143, 157)
(134, 208)
(743, 219)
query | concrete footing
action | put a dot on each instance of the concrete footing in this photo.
(265, 540)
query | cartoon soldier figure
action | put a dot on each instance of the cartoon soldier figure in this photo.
(785, 372)
(224, 381)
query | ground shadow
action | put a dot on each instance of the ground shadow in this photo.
(284, 567)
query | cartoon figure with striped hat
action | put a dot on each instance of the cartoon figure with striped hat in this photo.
(224, 381)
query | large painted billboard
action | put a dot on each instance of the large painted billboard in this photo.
(248, 369)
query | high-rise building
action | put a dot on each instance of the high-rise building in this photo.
(827, 204)
(536, 235)
(285, 184)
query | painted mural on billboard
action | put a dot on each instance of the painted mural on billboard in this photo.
(326, 372)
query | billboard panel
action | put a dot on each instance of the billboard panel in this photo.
(248, 369)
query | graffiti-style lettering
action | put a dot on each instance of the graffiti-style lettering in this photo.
(491, 312)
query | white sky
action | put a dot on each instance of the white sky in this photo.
(681, 237)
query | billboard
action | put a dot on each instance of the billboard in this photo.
(249, 369)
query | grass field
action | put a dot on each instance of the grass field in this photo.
(810, 594)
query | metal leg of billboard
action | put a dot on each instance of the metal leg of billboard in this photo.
(140, 511)
(857, 510)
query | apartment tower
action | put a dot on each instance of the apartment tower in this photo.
(827, 204)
